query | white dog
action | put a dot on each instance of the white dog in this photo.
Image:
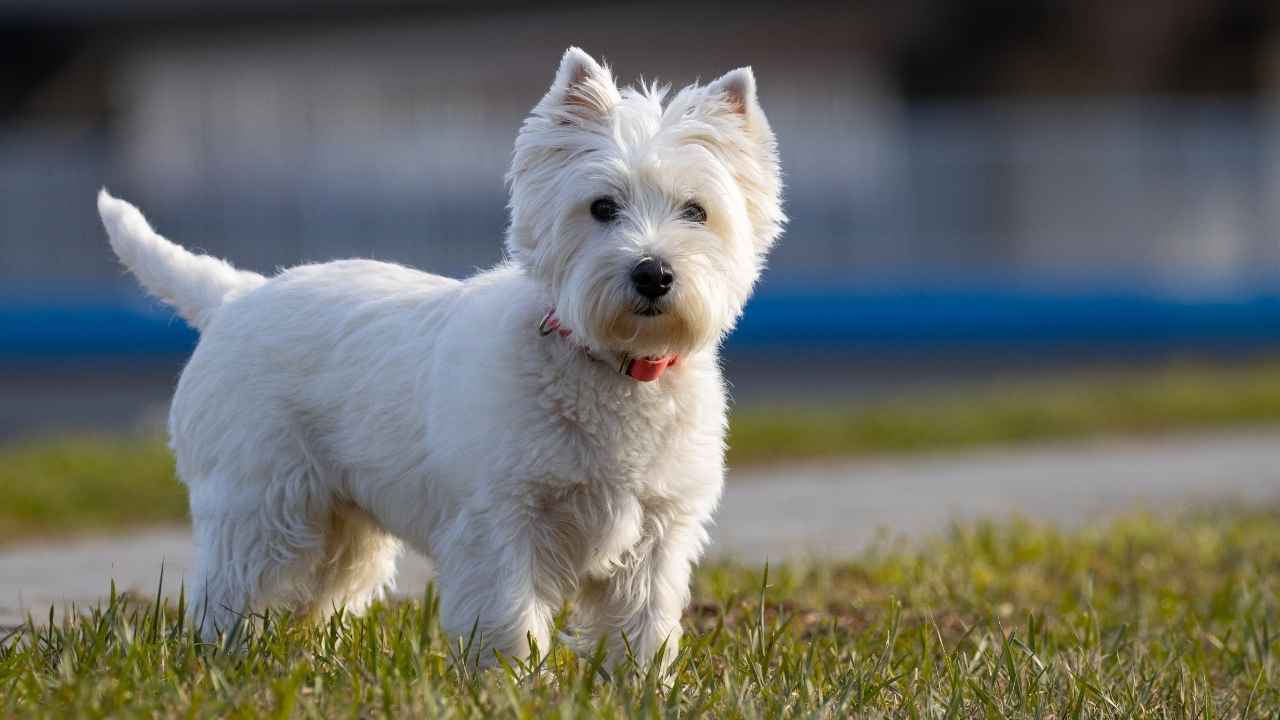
(550, 430)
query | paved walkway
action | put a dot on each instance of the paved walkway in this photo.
(819, 510)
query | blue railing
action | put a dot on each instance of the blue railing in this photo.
(781, 316)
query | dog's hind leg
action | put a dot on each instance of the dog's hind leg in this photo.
(257, 544)
(359, 564)
(221, 591)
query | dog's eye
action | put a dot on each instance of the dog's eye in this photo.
(694, 213)
(604, 209)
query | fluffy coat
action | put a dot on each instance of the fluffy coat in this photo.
(335, 410)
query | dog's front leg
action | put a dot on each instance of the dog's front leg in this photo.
(497, 593)
(638, 609)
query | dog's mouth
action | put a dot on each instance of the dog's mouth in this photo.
(647, 310)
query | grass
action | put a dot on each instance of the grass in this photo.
(1145, 618)
(86, 485)
(1157, 401)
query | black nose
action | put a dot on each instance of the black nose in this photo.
(652, 278)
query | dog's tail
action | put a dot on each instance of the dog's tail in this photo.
(195, 285)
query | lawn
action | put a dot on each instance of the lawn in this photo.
(1143, 402)
(1145, 618)
(85, 485)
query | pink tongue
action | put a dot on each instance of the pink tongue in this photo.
(649, 369)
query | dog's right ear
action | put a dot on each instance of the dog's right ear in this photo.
(583, 91)
(576, 108)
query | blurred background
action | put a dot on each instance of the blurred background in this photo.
(1033, 264)
(977, 190)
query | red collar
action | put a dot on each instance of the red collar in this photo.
(646, 369)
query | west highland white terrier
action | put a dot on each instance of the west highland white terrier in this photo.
(548, 431)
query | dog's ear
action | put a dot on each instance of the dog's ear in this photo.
(737, 89)
(734, 94)
(582, 92)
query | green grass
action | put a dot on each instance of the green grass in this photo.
(1146, 618)
(86, 485)
(58, 487)
(1125, 403)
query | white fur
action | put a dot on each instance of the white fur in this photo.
(334, 408)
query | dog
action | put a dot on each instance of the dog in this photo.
(550, 431)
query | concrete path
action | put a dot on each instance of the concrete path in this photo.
(819, 510)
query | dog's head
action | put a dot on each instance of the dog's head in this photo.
(648, 221)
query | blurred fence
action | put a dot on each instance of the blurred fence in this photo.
(1031, 222)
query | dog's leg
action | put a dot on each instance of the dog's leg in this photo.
(242, 566)
(644, 600)
(220, 596)
(257, 544)
(359, 564)
(498, 592)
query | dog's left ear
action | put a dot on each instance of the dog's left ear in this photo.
(738, 90)
(734, 93)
